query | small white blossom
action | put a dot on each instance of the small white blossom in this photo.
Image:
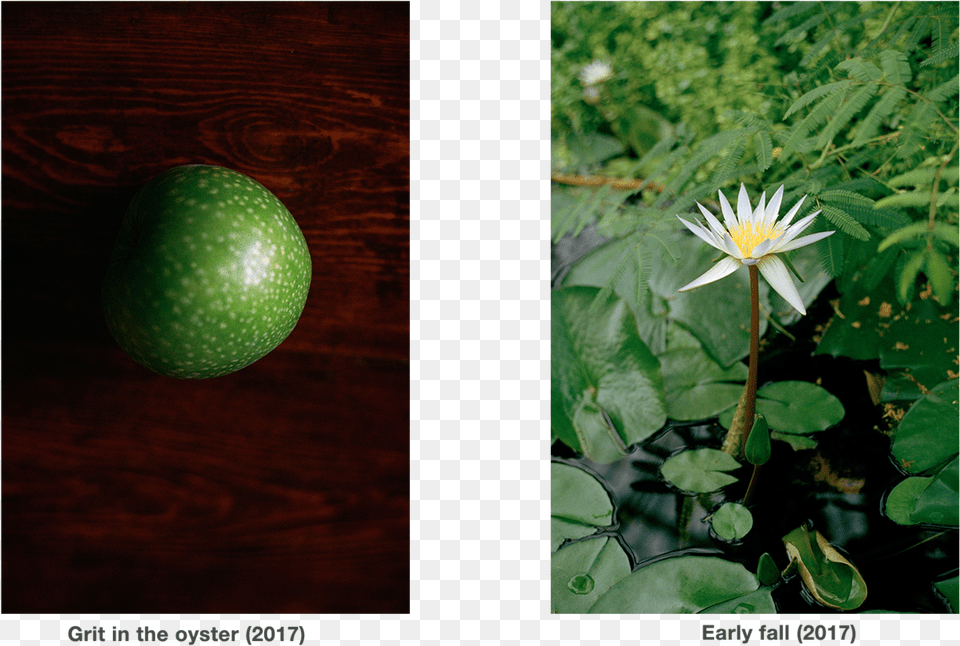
(754, 237)
(596, 72)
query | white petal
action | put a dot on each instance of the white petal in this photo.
(795, 230)
(704, 234)
(744, 211)
(805, 240)
(765, 246)
(773, 207)
(761, 210)
(714, 222)
(724, 267)
(731, 247)
(778, 276)
(728, 217)
(792, 212)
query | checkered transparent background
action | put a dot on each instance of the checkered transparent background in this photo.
(480, 74)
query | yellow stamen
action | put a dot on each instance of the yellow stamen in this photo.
(747, 236)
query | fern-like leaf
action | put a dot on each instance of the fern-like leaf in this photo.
(727, 166)
(831, 252)
(916, 130)
(943, 49)
(789, 11)
(844, 222)
(850, 108)
(863, 209)
(944, 90)
(896, 68)
(815, 94)
(804, 27)
(881, 110)
(861, 69)
(764, 150)
(819, 115)
(707, 149)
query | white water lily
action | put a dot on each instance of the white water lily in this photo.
(754, 237)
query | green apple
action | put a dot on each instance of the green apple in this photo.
(210, 273)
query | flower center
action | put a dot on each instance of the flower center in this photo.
(748, 235)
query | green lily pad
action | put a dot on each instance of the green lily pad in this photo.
(794, 407)
(796, 442)
(578, 504)
(731, 521)
(607, 391)
(696, 386)
(927, 499)
(832, 579)
(930, 431)
(581, 572)
(700, 470)
(685, 585)
(920, 347)
(949, 589)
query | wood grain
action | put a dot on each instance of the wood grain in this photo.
(283, 487)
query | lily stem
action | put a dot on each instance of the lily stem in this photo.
(751, 401)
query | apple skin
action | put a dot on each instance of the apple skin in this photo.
(210, 273)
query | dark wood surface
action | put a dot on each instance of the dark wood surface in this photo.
(283, 487)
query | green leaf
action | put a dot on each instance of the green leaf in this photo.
(817, 117)
(578, 504)
(796, 442)
(908, 276)
(700, 470)
(882, 109)
(598, 360)
(684, 585)
(896, 68)
(767, 571)
(930, 500)
(939, 503)
(795, 407)
(850, 108)
(696, 386)
(941, 276)
(949, 589)
(758, 450)
(828, 576)
(764, 151)
(845, 222)
(732, 521)
(861, 69)
(582, 572)
(929, 433)
(815, 94)
(921, 341)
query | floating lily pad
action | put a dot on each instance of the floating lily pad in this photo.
(696, 386)
(794, 407)
(731, 521)
(949, 589)
(607, 391)
(684, 585)
(583, 571)
(700, 470)
(578, 504)
(926, 499)
(832, 579)
(930, 431)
